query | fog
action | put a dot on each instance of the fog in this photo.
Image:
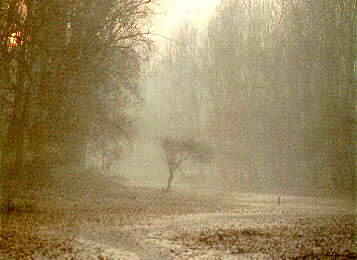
(178, 129)
(147, 167)
(270, 94)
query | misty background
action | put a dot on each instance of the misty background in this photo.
(91, 90)
(268, 85)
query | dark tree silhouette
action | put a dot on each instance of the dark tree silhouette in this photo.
(68, 72)
(177, 151)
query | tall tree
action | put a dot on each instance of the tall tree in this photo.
(69, 72)
(283, 87)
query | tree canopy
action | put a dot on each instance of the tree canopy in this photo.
(177, 151)
(68, 76)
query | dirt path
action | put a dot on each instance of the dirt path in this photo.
(121, 244)
(152, 240)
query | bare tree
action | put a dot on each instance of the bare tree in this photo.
(177, 151)
(68, 74)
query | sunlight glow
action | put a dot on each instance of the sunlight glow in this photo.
(201, 9)
(197, 11)
(13, 39)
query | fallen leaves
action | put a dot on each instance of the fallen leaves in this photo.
(17, 244)
(327, 237)
(186, 226)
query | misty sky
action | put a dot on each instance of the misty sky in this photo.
(178, 10)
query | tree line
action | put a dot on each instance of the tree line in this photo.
(270, 85)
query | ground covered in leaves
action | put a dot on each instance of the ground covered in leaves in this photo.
(145, 223)
(330, 237)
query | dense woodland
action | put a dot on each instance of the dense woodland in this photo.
(269, 85)
(69, 75)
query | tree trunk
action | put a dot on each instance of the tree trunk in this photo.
(14, 145)
(170, 179)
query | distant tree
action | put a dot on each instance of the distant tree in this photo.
(177, 151)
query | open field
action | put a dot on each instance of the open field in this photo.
(145, 223)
